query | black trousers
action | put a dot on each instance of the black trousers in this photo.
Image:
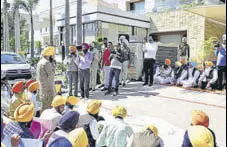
(114, 72)
(149, 70)
(204, 85)
(221, 73)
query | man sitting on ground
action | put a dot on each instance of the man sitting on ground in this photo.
(116, 133)
(147, 138)
(191, 77)
(164, 77)
(90, 121)
(55, 113)
(177, 73)
(209, 78)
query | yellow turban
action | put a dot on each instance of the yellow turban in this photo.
(73, 100)
(152, 128)
(58, 101)
(78, 138)
(119, 111)
(209, 63)
(34, 86)
(94, 106)
(178, 64)
(73, 48)
(49, 51)
(24, 112)
(168, 62)
(200, 118)
(200, 136)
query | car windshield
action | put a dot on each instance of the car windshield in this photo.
(12, 59)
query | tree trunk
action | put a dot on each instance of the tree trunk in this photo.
(51, 24)
(6, 28)
(79, 23)
(32, 36)
(66, 27)
(17, 30)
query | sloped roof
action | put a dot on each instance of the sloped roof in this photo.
(216, 12)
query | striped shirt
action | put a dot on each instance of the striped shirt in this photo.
(15, 128)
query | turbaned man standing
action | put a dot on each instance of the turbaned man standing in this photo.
(45, 75)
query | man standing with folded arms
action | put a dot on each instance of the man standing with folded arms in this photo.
(150, 50)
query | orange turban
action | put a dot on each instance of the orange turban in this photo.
(34, 86)
(29, 83)
(168, 62)
(17, 87)
(73, 48)
(182, 61)
(200, 118)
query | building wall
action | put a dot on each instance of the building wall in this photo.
(181, 21)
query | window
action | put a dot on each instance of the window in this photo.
(137, 7)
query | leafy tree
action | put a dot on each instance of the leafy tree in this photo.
(207, 50)
(38, 44)
(29, 6)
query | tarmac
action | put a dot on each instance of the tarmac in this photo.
(168, 108)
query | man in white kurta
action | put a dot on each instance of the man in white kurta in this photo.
(191, 76)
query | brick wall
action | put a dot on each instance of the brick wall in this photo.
(180, 20)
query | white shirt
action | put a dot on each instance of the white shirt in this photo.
(150, 50)
(94, 129)
(32, 98)
(115, 134)
(53, 115)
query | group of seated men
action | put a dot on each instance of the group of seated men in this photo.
(188, 75)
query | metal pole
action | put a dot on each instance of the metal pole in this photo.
(79, 23)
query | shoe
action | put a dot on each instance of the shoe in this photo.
(93, 90)
(115, 94)
(145, 84)
(104, 89)
(150, 85)
(101, 86)
(124, 84)
(86, 98)
(107, 93)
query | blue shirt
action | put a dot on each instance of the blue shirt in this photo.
(84, 62)
(221, 56)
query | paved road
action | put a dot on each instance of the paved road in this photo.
(169, 108)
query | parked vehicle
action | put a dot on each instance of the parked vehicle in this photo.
(15, 68)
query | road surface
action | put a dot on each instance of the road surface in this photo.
(169, 108)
